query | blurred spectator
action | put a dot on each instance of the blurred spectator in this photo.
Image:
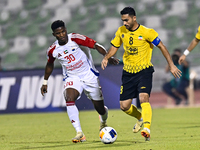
(176, 87)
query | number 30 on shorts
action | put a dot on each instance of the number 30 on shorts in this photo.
(121, 90)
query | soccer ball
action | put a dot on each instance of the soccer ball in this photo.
(108, 135)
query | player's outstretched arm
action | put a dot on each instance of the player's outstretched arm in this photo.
(173, 69)
(192, 45)
(108, 56)
(102, 50)
(48, 70)
(181, 59)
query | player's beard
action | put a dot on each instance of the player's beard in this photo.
(63, 40)
(129, 27)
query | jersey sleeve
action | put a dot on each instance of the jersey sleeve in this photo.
(83, 40)
(198, 34)
(151, 35)
(50, 57)
(116, 41)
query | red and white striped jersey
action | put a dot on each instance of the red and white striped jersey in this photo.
(74, 57)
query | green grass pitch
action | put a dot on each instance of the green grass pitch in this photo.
(172, 129)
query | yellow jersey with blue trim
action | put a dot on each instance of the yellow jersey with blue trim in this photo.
(198, 33)
(138, 46)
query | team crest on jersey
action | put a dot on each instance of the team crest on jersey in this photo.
(140, 37)
(66, 51)
(73, 49)
(122, 35)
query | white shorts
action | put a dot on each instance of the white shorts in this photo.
(91, 88)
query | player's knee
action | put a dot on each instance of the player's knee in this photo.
(144, 97)
(124, 107)
(69, 99)
(144, 100)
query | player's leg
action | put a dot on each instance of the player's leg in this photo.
(144, 88)
(130, 109)
(71, 94)
(94, 93)
(127, 93)
(146, 115)
(103, 112)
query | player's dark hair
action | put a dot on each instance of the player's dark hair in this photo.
(56, 24)
(177, 50)
(128, 10)
(175, 56)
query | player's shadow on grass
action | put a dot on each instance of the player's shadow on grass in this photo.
(188, 125)
(117, 143)
(40, 147)
(95, 144)
(60, 144)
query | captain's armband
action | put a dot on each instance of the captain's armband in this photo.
(156, 41)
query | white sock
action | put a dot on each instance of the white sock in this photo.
(104, 117)
(73, 115)
(147, 129)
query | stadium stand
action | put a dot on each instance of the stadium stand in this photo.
(21, 45)
(30, 5)
(11, 32)
(14, 5)
(31, 19)
(51, 4)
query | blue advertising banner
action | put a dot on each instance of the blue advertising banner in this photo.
(20, 91)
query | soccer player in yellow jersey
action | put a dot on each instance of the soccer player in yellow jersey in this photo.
(192, 45)
(138, 42)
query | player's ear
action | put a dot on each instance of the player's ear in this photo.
(134, 18)
(53, 34)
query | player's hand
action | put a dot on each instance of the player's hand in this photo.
(113, 61)
(181, 59)
(43, 89)
(104, 63)
(175, 71)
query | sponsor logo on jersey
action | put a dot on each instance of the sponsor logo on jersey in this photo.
(132, 50)
(140, 37)
(131, 34)
(143, 87)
